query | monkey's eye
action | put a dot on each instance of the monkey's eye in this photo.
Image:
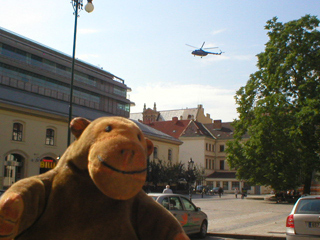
(139, 137)
(108, 129)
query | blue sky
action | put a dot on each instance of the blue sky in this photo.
(143, 42)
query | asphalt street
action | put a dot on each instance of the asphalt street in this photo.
(249, 218)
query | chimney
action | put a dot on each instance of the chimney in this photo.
(175, 120)
(217, 124)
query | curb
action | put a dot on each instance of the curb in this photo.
(245, 236)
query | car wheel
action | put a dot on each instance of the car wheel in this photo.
(203, 229)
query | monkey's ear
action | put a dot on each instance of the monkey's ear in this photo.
(149, 147)
(78, 125)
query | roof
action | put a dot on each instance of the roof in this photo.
(174, 129)
(181, 128)
(151, 132)
(189, 113)
(167, 115)
(222, 130)
(196, 129)
(222, 175)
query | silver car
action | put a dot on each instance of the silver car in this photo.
(304, 219)
(191, 218)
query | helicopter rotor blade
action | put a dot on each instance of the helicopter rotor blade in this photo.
(202, 45)
(191, 46)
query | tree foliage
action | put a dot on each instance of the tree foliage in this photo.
(279, 108)
(168, 172)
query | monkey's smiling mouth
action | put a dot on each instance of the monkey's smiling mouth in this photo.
(118, 170)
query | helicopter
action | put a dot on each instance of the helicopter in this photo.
(201, 52)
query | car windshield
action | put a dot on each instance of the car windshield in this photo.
(308, 206)
(154, 197)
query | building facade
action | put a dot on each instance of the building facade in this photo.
(204, 142)
(34, 104)
(152, 115)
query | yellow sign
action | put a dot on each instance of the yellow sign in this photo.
(47, 164)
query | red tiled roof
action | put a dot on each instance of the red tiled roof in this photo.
(172, 128)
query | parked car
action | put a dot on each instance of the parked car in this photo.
(303, 222)
(192, 219)
(200, 189)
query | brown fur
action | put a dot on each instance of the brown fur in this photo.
(93, 193)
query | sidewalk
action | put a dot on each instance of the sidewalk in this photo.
(249, 218)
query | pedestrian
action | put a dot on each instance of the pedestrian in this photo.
(244, 193)
(167, 189)
(203, 191)
(220, 191)
(236, 192)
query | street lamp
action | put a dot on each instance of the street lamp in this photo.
(77, 6)
(190, 174)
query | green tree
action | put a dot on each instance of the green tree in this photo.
(168, 172)
(165, 172)
(279, 109)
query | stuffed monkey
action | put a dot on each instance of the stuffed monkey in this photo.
(94, 192)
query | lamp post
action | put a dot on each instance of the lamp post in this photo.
(77, 6)
(190, 174)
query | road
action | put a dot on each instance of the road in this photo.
(245, 217)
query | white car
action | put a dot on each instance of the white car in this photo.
(304, 219)
(191, 218)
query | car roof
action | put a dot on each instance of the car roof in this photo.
(310, 197)
(164, 194)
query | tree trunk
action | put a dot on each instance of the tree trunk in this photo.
(307, 184)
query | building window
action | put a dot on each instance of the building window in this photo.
(221, 148)
(169, 154)
(221, 164)
(50, 137)
(17, 132)
(120, 91)
(209, 164)
(209, 147)
(155, 152)
(225, 186)
(125, 107)
(235, 185)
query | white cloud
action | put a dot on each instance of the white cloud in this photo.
(219, 103)
(218, 31)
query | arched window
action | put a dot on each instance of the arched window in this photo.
(155, 152)
(17, 132)
(13, 169)
(46, 164)
(50, 137)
